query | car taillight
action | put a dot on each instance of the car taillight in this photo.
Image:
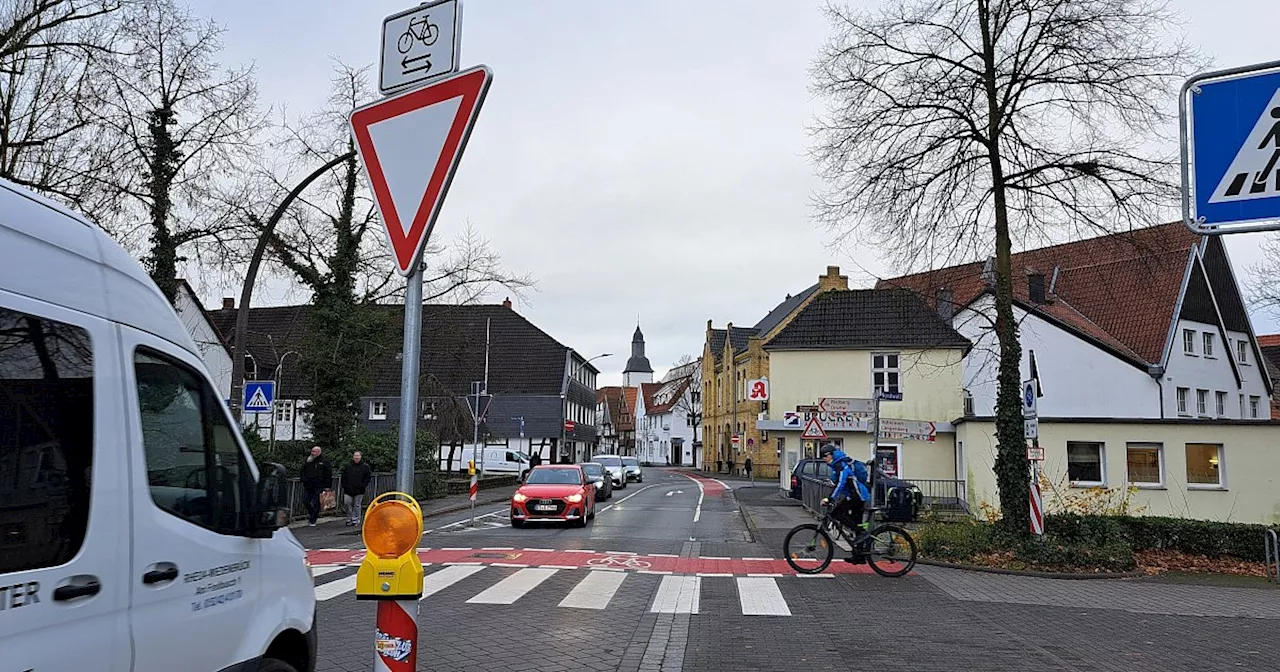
(794, 481)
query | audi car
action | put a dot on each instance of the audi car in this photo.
(554, 493)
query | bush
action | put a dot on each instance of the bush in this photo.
(1197, 537)
(1070, 542)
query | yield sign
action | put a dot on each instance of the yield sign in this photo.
(813, 430)
(410, 145)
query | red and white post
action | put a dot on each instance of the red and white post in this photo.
(396, 639)
(1037, 502)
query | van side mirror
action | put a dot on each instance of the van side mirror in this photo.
(272, 510)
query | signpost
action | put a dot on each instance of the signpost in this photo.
(259, 397)
(419, 44)
(847, 405)
(1230, 141)
(1031, 431)
(410, 144)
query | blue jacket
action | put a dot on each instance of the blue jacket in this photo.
(851, 477)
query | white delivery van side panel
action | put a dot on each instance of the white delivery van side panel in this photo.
(64, 519)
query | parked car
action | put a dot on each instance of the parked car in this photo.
(901, 500)
(138, 533)
(811, 467)
(631, 466)
(596, 474)
(613, 463)
(554, 493)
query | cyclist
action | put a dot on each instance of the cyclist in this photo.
(851, 493)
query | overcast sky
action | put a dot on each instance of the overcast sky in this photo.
(642, 159)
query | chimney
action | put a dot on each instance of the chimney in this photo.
(832, 280)
(1035, 287)
(943, 302)
(228, 303)
(506, 303)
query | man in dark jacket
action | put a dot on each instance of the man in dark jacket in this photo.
(317, 477)
(355, 480)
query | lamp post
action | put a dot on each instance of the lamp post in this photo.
(271, 449)
(564, 399)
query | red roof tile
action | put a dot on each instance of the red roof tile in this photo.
(1268, 340)
(1120, 290)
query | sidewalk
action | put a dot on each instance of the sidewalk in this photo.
(331, 531)
(767, 511)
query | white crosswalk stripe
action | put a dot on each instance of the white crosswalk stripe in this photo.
(595, 591)
(758, 595)
(514, 587)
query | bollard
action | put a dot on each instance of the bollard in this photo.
(391, 573)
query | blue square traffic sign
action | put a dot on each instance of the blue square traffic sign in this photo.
(1231, 150)
(259, 395)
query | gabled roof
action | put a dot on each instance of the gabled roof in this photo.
(523, 359)
(223, 341)
(782, 310)
(647, 390)
(867, 318)
(671, 391)
(1120, 290)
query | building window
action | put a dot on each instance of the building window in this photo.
(884, 372)
(428, 410)
(1204, 464)
(1202, 402)
(1242, 351)
(377, 410)
(1221, 403)
(1085, 463)
(1189, 341)
(1242, 407)
(284, 411)
(1208, 344)
(1253, 407)
(1145, 463)
(1182, 400)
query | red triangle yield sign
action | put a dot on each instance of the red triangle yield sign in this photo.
(813, 430)
(410, 145)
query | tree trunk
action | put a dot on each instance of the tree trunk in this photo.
(164, 160)
(1012, 475)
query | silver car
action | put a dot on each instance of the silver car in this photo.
(631, 466)
(613, 464)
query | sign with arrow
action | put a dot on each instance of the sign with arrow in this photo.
(847, 405)
(419, 43)
(410, 146)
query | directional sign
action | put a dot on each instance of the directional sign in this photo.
(1028, 398)
(847, 405)
(259, 395)
(1231, 150)
(886, 395)
(758, 390)
(419, 44)
(916, 430)
(1031, 428)
(813, 430)
(410, 145)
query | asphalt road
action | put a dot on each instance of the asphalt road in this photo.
(669, 577)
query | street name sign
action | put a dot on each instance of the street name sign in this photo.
(419, 43)
(1230, 132)
(410, 145)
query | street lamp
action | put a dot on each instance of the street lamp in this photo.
(564, 401)
(271, 450)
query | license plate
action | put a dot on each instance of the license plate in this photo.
(545, 507)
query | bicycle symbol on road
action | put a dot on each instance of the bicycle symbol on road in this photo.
(420, 29)
(624, 561)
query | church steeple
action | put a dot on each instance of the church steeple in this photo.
(638, 369)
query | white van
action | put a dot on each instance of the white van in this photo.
(499, 460)
(136, 532)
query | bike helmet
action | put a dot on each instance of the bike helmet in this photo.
(827, 449)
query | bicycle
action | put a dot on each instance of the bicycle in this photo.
(626, 562)
(427, 33)
(889, 549)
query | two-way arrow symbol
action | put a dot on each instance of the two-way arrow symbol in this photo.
(404, 63)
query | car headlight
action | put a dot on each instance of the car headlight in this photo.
(600, 484)
(574, 499)
(518, 497)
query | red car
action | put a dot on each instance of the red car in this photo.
(554, 492)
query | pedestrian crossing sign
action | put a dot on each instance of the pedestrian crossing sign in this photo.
(1231, 150)
(259, 396)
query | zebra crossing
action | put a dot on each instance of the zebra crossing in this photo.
(593, 589)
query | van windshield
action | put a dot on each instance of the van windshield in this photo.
(609, 461)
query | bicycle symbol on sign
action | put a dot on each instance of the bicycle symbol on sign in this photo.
(420, 29)
(624, 561)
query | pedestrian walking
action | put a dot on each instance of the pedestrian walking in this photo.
(317, 477)
(747, 466)
(535, 460)
(355, 480)
(730, 472)
(719, 465)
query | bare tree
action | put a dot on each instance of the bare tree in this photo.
(181, 126)
(50, 75)
(959, 126)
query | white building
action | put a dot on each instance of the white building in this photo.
(215, 352)
(1145, 325)
(664, 431)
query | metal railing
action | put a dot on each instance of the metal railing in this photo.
(938, 495)
(1272, 555)
(429, 485)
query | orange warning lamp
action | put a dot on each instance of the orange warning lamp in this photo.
(391, 568)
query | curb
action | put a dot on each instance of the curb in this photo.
(452, 508)
(1069, 576)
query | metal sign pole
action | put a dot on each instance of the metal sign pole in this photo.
(409, 381)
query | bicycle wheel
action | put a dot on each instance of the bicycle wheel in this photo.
(808, 548)
(892, 552)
